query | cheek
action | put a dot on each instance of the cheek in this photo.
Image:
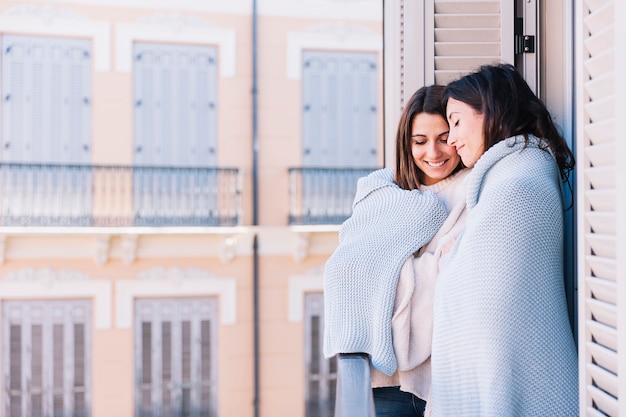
(415, 152)
(474, 139)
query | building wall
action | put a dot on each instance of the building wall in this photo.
(115, 265)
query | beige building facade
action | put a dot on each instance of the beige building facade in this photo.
(173, 176)
(141, 274)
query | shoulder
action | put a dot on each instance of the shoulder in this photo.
(517, 202)
(528, 167)
(526, 178)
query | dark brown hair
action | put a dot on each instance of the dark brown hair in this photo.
(425, 100)
(510, 108)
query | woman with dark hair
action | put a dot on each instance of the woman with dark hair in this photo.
(502, 341)
(378, 284)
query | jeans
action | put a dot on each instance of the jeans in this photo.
(391, 402)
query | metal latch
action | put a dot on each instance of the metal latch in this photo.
(524, 44)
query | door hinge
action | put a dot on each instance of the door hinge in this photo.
(524, 44)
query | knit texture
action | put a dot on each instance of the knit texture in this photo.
(502, 343)
(411, 324)
(387, 225)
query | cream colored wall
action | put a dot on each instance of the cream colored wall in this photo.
(282, 340)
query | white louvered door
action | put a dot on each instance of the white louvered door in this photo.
(176, 357)
(175, 134)
(46, 119)
(602, 228)
(46, 358)
(320, 373)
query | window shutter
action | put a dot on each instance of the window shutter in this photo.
(48, 360)
(37, 378)
(174, 342)
(340, 105)
(46, 106)
(602, 232)
(175, 98)
(58, 382)
(468, 34)
(15, 377)
(206, 366)
(320, 373)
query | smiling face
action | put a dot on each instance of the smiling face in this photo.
(466, 131)
(430, 149)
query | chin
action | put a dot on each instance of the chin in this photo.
(468, 163)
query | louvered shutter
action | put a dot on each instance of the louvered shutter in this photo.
(46, 358)
(320, 373)
(340, 107)
(175, 95)
(602, 231)
(175, 345)
(468, 34)
(46, 106)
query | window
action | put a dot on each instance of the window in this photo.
(46, 127)
(340, 105)
(175, 134)
(46, 358)
(175, 357)
(339, 131)
(175, 95)
(320, 373)
(46, 106)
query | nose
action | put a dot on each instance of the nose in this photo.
(452, 138)
(433, 150)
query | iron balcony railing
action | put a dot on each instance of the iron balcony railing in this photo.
(354, 387)
(105, 195)
(322, 195)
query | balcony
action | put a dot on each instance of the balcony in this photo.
(319, 196)
(118, 196)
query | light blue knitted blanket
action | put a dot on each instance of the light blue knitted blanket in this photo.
(502, 344)
(387, 225)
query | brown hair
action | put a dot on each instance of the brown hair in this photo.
(427, 99)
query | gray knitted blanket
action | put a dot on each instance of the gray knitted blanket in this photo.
(388, 224)
(502, 343)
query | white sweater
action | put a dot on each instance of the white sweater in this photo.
(413, 318)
